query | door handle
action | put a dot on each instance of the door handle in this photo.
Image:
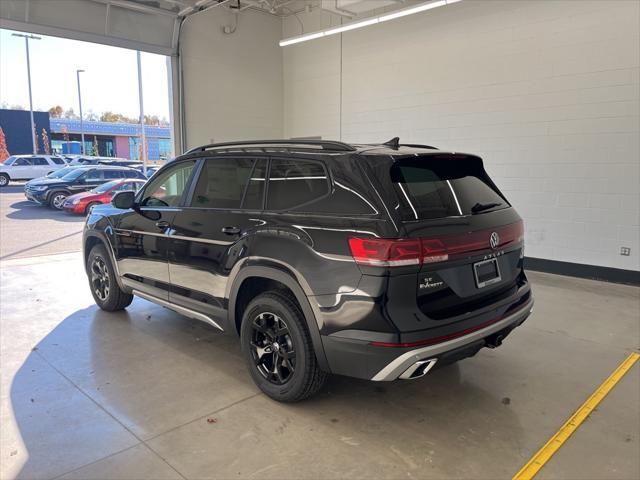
(162, 224)
(231, 230)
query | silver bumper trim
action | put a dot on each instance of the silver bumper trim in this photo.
(396, 368)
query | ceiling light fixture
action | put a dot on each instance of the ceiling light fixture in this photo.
(365, 23)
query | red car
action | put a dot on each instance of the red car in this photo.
(82, 202)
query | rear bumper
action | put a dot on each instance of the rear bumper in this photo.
(361, 359)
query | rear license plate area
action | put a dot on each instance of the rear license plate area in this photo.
(487, 272)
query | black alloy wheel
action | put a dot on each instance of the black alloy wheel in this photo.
(272, 345)
(100, 282)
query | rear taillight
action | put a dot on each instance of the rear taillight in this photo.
(381, 252)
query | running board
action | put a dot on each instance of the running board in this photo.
(187, 312)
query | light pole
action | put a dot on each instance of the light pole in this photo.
(33, 125)
(78, 72)
(142, 135)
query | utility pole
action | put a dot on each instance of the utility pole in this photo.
(142, 135)
(82, 148)
(33, 125)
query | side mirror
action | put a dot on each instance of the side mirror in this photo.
(123, 200)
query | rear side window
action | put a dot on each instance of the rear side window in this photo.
(111, 174)
(430, 188)
(57, 160)
(293, 183)
(40, 161)
(95, 175)
(227, 182)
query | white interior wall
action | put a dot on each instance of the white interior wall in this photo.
(546, 92)
(232, 82)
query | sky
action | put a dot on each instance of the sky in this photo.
(109, 83)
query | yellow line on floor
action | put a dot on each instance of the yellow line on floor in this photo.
(553, 445)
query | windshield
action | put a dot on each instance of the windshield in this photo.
(10, 160)
(73, 174)
(432, 187)
(105, 187)
(60, 173)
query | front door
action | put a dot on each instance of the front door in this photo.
(209, 232)
(21, 169)
(143, 232)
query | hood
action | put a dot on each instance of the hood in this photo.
(80, 195)
(37, 182)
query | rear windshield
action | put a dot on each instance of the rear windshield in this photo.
(430, 188)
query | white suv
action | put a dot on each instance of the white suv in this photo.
(26, 167)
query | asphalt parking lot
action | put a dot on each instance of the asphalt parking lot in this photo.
(147, 393)
(28, 229)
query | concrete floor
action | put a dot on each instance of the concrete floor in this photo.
(149, 394)
(28, 229)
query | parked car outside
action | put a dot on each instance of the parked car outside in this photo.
(54, 191)
(150, 169)
(81, 203)
(379, 262)
(27, 167)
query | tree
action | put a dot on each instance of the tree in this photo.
(96, 151)
(4, 152)
(45, 142)
(91, 116)
(56, 112)
(70, 114)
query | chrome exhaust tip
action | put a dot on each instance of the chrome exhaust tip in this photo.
(418, 369)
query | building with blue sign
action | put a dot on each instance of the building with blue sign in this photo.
(112, 139)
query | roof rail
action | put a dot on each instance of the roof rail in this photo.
(328, 145)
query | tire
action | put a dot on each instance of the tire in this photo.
(88, 207)
(282, 364)
(4, 179)
(56, 199)
(102, 274)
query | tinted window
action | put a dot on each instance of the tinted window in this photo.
(95, 175)
(222, 183)
(57, 160)
(166, 189)
(22, 162)
(442, 187)
(295, 182)
(109, 174)
(132, 174)
(39, 161)
(74, 174)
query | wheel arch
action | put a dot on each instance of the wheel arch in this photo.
(267, 275)
(93, 238)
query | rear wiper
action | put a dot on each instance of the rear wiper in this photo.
(479, 207)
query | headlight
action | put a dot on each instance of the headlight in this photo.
(41, 188)
(75, 201)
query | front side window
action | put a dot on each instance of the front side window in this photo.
(293, 183)
(227, 182)
(22, 162)
(166, 189)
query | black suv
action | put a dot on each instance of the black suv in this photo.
(373, 261)
(54, 191)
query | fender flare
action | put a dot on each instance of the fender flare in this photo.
(292, 284)
(104, 239)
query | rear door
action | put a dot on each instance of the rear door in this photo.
(41, 167)
(208, 233)
(142, 233)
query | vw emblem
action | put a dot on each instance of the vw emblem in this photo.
(494, 240)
